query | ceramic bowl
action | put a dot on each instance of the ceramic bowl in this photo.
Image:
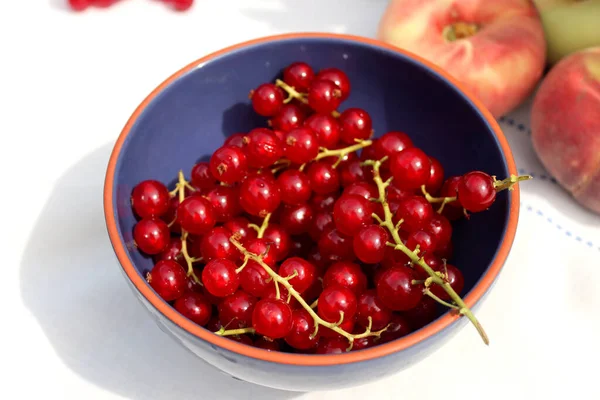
(189, 115)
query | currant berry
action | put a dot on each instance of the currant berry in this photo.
(337, 303)
(323, 177)
(267, 344)
(440, 228)
(338, 77)
(410, 168)
(476, 191)
(323, 202)
(294, 187)
(415, 212)
(332, 345)
(235, 311)
(424, 313)
(301, 335)
(259, 195)
(301, 145)
(280, 241)
(436, 177)
(454, 277)
(305, 273)
(216, 244)
(272, 318)
(433, 261)
(229, 164)
(236, 140)
(168, 279)
(263, 148)
(254, 280)
(201, 176)
(151, 235)
(170, 217)
(397, 328)
(193, 286)
(172, 252)
(363, 189)
(225, 202)
(195, 307)
(195, 214)
(296, 219)
(150, 198)
(219, 277)
(363, 342)
(320, 223)
(262, 247)
(334, 243)
(289, 117)
(355, 124)
(346, 274)
(298, 75)
(239, 227)
(267, 99)
(352, 172)
(369, 305)
(424, 240)
(450, 189)
(370, 243)
(391, 143)
(396, 290)
(351, 213)
(324, 96)
(326, 127)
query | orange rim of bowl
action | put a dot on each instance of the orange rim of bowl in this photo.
(305, 359)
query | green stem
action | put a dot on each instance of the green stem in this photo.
(509, 182)
(294, 94)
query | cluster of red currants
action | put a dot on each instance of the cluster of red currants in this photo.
(308, 235)
(80, 5)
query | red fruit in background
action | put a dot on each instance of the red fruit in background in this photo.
(479, 42)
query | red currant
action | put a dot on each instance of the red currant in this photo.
(168, 279)
(267, 99)
(294, 187)
(239, 227)
(355, 123)
(454, 277)
(263, 148)
(150, 198)
(170, 217)
(280, 241)
(436, 177)
(262, 247)
(433, 261)
(229, 164)
(450, 189)
(172, 252)
(410, 168)
(201, 176)
(363, 189)
(290, 116)
(303, 326)
(195, 307)
(397, 328)
(272, 318)
(195, 214)
(151, 236)
(332, 345)
(369, 305)
(301, 145)
(351, 213)
(370, 243)
(476, 191)
(338, 77)
(320, 223)
(305, 273)
(440, 228)
(396, 290)
(348, 326)
(415, 212)
(216, 244)
(235, 311)
(323, 202)
(363, 342)
(334, 243)
(255, 280)
(352, 172)
(335, 302)
(296, 219)
(219, 277)
(259, 195)
(267, 344)
(236, 140)
(424, 240)
(298, 75)
(225, 202)
(323, 177)
(424, 313)
(346, 274)
(324, 96)
(326, 127)
(391, 143)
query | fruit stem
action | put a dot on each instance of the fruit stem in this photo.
(459, 30)
(399, 245)
(294, 94)
(181, 185)
(232, 332)
(509, 182)
(341, 153)
(292, 292)
(263, 226)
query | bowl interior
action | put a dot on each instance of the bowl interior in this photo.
(191, 117)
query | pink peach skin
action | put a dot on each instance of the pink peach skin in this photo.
(565, 125)
(501, 63)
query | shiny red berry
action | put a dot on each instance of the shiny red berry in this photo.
(272, 318)
(436, 177)
(476, 191)
(332, 345)
(290, 116)
(338, 77)
(294, 187)
(235, 311)
(150, 198)
(370, 243)
(326, 127)
(410, 168)
(396, 290)
(301, 335)
(296, 219)
(321, 222)
(216, 244)
(454, 277)
(323, 202)
(219, 277)
(440, 228)
(239, 227)
(151, 235)
(416, 318)
(229, 164)
(195, 214)
(267, 99)
(236, 140)
(352, 172)
(351, 213)
(337, 303)
(259, 195)
(355, 124)
(323, 177)
(280, 241)
(301, 145)
(262, 247)
(415, 212)
(168, 279)
(201, 176)
(391, 143)
(263, 148)
(369, 305)
(324, 96)
(398, 327)
(346, 274)
(172, 252)
(225, 202)
(298, 75)
(255, 280)
(195, 307)
(335, 243)
(305, 273)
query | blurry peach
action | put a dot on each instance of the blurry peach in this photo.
(565, 125)
(496, 48)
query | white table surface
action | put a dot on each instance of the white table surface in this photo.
(71, 329)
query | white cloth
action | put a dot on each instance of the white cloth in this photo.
(71, 327)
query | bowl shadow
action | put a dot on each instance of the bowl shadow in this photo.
(72, 284)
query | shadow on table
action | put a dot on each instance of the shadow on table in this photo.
(71, 283)
(332, 15)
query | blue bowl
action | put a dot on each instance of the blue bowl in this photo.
(188, 116)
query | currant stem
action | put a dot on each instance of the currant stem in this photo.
(261, 230)
(341, 153)
(181, 185)
(232, 332)
(509, 182)
(293, 293)
(294, 94)
(399, 245)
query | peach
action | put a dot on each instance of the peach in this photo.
(565, 125)
(496, 48)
